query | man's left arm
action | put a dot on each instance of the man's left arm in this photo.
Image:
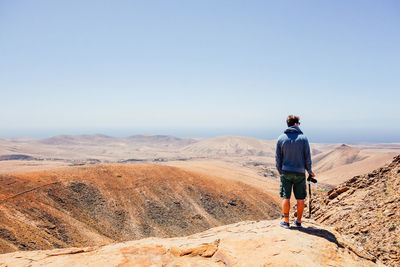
(278, 156)
(307, 157)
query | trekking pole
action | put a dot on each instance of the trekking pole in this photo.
(309, 180)
(309, 199)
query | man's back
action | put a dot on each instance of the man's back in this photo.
(293, 151)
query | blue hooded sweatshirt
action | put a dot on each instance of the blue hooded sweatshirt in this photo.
(293, 151)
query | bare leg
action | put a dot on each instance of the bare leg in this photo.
(300, 209)
(286, 209)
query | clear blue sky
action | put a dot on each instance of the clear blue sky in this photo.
(201, 68)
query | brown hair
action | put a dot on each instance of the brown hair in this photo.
(292, 119)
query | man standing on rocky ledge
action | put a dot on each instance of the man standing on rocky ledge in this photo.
(293, 157)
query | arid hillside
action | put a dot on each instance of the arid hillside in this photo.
(99, 204)
(366, 209)
(258, 177)
(337, 157)
(232, 146)
(343, 162)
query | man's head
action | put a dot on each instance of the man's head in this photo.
(292, 120)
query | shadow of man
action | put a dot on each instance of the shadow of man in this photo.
(320, 233)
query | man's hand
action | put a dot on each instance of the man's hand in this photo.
(311, 178)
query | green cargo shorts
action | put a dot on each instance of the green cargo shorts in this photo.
(295, 180)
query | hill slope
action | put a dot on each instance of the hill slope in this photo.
(96, 205)
(366, 208)
(243, 244)
(231, 146)
(343, 162)
(336, 157)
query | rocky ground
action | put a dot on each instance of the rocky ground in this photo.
(366, 209)
(248, 243)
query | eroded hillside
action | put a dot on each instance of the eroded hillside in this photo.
(100, 204)
(366, 209)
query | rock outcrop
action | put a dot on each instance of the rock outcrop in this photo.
(366, 209)
(244, 244)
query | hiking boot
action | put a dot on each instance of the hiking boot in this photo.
(284, 225)
(297, 224)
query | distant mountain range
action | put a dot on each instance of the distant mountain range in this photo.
(333, 163)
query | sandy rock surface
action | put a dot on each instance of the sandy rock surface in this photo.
(247, 243)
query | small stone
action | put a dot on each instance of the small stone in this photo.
(388, 213)
(342, 190)
(333, 195)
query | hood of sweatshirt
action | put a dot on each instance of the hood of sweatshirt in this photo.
(293, 129)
